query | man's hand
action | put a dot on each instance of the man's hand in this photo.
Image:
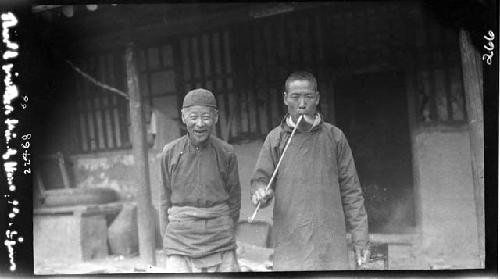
(262, 196)
(362, 255)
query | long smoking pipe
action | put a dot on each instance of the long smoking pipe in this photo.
(250, 219)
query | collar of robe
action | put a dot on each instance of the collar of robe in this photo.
(289, 125)
(200, 145)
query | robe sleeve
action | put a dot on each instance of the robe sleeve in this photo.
(351, 194)
(265, 165)
(165, 192)
(234, 188)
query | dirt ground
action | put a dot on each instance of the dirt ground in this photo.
(110, 264)
(250, 258)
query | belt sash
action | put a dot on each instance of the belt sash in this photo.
(199, 232)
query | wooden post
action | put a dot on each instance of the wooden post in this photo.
(473, 87)
(143, 195)
(63, 169)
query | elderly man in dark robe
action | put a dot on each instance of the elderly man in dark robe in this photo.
(200, 193)
(317, 191)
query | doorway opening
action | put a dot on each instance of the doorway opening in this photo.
(371, 109)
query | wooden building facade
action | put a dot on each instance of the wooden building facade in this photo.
(390, 76)
(246, 63)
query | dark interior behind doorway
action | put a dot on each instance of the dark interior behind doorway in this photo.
(372, 111)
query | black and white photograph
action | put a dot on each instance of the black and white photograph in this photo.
(241, 137)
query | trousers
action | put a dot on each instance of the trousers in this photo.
(217, 262)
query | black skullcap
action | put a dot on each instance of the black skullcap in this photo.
(200, 97)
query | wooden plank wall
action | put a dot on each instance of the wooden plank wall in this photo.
(206, 63)
(274, 47)
(329, 41)
(245, 65)
(346, 39)
(437, 65)
(101, 119)
(157, 75)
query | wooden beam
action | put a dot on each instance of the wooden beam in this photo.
(411, 94)
(139, 146)
(42, 8)
(102, 32)
(473, 87)
(64, 170)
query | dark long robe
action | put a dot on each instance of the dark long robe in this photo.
(202, 177)
(317, 193)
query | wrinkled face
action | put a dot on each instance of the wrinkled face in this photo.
(301, 98)
(199, 121)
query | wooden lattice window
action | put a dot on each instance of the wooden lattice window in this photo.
(157, 74)
(157, 77)
(440, 93)
(206, 62)
(331, 41)
(276, 46)
(102, 119)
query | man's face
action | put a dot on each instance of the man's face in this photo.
(199, 121)
(301, 98)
